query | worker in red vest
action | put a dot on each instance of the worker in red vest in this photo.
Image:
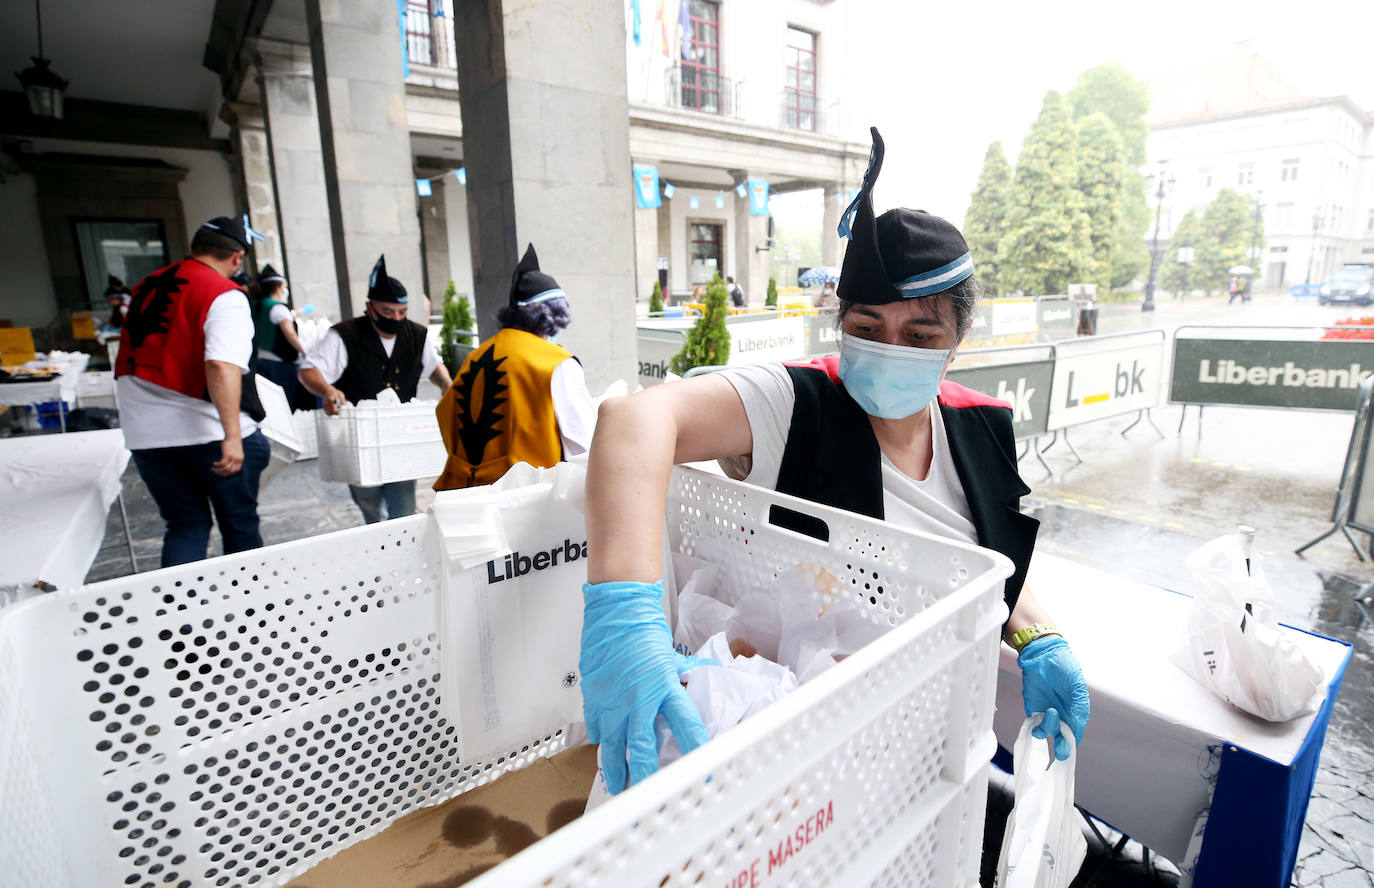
(187, 402)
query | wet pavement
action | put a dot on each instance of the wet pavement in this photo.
(1137, 505)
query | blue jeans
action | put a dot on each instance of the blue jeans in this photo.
(186, 490)
(399, 497)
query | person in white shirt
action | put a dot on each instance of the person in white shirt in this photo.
(187, 411)
(358, 358)
(519, 396)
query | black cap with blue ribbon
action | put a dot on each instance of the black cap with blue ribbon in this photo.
(529, 285)
(383, 288)
(235, 229)
(902, 254)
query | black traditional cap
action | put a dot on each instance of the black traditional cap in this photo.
(237, 230)
(115, 287)
(902, 254)
(241, 278)
(269, 275)
(383, 288)
(530, 285)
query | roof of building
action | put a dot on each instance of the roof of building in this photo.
(1276, 107)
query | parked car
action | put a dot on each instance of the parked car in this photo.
(1349, 283)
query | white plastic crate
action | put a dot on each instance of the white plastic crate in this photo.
(306, 431)
(231, 722)
(375, 445)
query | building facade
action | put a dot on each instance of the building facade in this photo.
(1306, 163)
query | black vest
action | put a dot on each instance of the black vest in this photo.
(832, 457)
(369, 369)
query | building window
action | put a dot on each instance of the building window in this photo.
(703, 250)
(701, 61)
(1283, 216)
(1246, 176)
(1205, 174)
(1288, 172)
(799, 99)
(1371, 220)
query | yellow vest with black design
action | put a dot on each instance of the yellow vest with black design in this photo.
(499, 410)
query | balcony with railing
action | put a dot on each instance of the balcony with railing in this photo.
(429, 34)
(702, 89)
(805, 111)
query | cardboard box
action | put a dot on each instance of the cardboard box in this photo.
(16, 346)
(83, 325)
(453, 843)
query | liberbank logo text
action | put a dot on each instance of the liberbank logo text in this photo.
(1228, 372)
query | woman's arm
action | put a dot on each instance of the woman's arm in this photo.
(288, 329)
(638, 440)
(1028, 610)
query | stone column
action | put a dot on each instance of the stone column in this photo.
(293, 131)
(256, 160)
(547, 147)
(750, 264)
(832, 245)
(434, 224)
(355, 53)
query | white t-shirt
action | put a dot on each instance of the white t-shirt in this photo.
(935, 505)
(153, 416)
(572, 407)
(278, 314)
(330, 357)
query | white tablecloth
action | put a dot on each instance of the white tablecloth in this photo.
(69, 364)
(1147, 762)
(55, 491)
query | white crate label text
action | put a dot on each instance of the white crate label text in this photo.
(421, 426)
(814, 825)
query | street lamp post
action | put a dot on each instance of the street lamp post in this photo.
(1316, 226)
(1149, 303)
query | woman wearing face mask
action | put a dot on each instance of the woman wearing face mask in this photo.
(877, 431)
(274, 330)
(519, 396)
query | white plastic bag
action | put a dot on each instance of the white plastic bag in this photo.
(1043, 846)
(1235, 647)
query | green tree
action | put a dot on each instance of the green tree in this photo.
(1175, 276)
(1100, 172)
(1228, 225)
(772, 300)
(708, 342)
(656, 298)
(1048, 242)
(986, 220)
(1125, 99)
(457, 316)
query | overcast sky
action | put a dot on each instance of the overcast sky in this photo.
(945, 79)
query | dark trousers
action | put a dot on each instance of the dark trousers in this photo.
(282, 373)
(186, 491)
(399, 497)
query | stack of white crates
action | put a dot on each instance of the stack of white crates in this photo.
(236, 720)
(375, 444)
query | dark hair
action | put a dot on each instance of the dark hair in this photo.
(217, 246)
(540, 318)
(258, 291)
(962, 298)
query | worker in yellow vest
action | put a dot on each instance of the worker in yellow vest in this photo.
(519, 396)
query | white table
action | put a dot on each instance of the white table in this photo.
(55, 491)
(1161, 751)
(70, 366)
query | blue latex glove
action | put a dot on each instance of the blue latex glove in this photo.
(1052, 682)
(630, 675)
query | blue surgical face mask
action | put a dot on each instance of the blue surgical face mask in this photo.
(890, 381)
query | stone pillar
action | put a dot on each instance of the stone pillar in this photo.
(646, 250)
(355, 53)
(750, 264)
(434, 224)
(547, 147)
(293, 130)
(256, 161)
(832, 245)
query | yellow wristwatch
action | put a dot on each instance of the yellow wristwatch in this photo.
(1022, 637)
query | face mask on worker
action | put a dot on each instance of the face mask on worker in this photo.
(890, 381)
(389, 326)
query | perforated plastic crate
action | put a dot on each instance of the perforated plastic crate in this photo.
(377, 445)
(306, 431)
(231, 722)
